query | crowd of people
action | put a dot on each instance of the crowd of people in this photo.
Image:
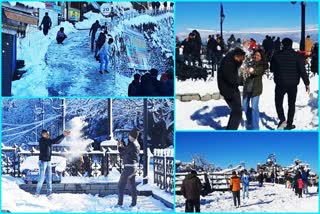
(149, 85)
(192, 188)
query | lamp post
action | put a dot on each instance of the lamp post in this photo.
(303, 24)
(222, 17)
(145, 141)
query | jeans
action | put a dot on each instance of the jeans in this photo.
(292, 96)
(45, 173)
(92, 40)
(236, 196)
(128, 175)
(245, 189)
(103, 62)
(252, 114)
(234, 104)
(192, 205)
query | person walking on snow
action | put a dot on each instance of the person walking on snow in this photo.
(93, 30)
(305, 179)
(191, 190)
(235, 188)
(260, 179)
(130, 155)
(245, 184)
(61, 36)
(103, 53)
(46, 23)
(45, 147)
(288, 67)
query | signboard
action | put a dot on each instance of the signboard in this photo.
(106, 9)
(74, 14)
(136, 49)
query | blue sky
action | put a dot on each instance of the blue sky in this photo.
(243, 16)
(224, 148)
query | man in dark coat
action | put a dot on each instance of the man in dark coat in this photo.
(135, 86)
(277, 44)
(45, 146)
(191, 190)
(46, 22)
(93, 30)
(288, 67)
(228, 83)
(130, 155)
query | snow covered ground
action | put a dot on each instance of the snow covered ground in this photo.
(214, 114)
(266, 199)
(17, 200)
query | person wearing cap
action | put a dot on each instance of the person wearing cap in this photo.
(130, 155)
(288, 68)
(45, 147)
(191, 190)
(235, 188)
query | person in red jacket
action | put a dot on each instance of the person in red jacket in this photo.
(300, 187)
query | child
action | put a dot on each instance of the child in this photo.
(300, 187)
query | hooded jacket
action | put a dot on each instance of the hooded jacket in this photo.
(191, 187)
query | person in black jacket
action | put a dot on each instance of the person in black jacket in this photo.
(135, 86)
(46, 22)
(228, 83)
(288, 67)
(130, 155)
(45, 146)
(93, 30)
(191, 189)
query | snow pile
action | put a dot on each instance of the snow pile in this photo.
(17, 200)
(31, 163)
(266, 199)
(91, 18)
(32, 49)
(76, 143)
(214, 114)
(29, 4)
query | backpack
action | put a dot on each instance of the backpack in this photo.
(101, 40)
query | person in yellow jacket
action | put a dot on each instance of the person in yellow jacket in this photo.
(308, 45)
(235, 187)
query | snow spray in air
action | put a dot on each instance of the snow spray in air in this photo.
(76, 142)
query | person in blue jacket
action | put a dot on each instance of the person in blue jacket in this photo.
(245, 183)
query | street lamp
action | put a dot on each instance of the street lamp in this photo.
(303, 24)
(222, 17)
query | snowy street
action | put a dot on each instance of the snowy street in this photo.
(17, 200)
(214, 114)
(75, 70)
(266, 199)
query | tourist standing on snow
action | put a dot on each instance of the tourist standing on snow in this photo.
(93, 30)
(296, 184)
(305, 179)
(288, 67)
(314, 59)
(46, 22)
(235, 188)
(130, 156)
(300, 187)
(45, 168)
(277, 45)
(252, 89)
(134, 88)
(308, 45)
(61, 36)
(260, 179)
(245, 184)
(196, 50)
(191, 189)
(228, 83)
(111, 51)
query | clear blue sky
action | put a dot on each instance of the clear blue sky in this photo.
(224, 148)
(243, 16)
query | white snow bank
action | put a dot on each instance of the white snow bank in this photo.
(32, 163)
(266, 199)
(32, 49)
(91, 18)
(17, 200)
(41, 5)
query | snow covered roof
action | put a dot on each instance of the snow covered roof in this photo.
(41, 5)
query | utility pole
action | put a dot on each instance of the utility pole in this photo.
(64, 107)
